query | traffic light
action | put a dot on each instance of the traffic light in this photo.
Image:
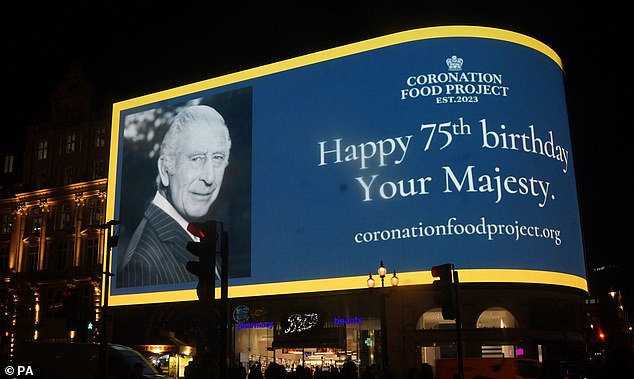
(205, 250)
(444, 289)
(600, 334)
(71, 308)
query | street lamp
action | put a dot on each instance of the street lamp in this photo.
(382, 271)
(371, 281)
(394, 279)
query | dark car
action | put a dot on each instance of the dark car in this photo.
(70, 360)
(124, 362)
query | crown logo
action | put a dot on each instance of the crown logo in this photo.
(454, 63)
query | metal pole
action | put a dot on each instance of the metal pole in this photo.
(456, 284)
(384, 354)
(224, 292)
(103, 343)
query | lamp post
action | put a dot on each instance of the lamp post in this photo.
(382, 272)
(394, 279)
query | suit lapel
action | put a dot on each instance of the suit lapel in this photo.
(167, 229)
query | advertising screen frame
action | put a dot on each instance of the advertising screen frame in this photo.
(233, 83)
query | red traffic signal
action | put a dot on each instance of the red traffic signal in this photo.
(600, 334)
(199, 230)
(205, 250)
(444, 272)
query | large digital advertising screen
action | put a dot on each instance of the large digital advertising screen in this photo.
(435, 145)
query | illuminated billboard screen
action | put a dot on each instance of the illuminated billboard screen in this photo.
(435, 145)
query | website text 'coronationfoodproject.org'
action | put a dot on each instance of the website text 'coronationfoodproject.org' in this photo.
(453, 228)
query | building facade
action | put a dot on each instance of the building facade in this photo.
(51, 243)
(396, 327)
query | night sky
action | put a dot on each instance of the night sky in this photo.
(127, 52)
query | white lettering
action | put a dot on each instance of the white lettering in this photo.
(380, 150)
(496, 184)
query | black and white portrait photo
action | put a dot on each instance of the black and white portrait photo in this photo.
(183, 162)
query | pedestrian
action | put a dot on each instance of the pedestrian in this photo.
(255, 371)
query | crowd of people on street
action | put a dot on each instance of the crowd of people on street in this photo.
(619, 364)
(349, 370)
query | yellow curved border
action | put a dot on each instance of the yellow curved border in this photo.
(350, 49)
(359, 282)
(421, 277)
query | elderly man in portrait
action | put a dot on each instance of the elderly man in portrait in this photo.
(191, 165)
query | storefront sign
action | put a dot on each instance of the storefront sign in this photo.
(241, 313)
(348, 321)
(255, 325)
(159, 348)
(300, 322)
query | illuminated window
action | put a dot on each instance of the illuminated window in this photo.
(432, 319)
(98, 169)
(66, 217)
(42, 150)
(36, 221)
(94, 212)
(70, 144)
(496, 317)
(100, 137)
(5, 224)
(498, 351)
(8, 163)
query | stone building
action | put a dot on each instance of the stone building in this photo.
(51, 209)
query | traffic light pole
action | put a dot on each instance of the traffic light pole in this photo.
(224, 309)
(111, 241)
(456, 284)
(385, 359)
(447, 295)
(210, 233)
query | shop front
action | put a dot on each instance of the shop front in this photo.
(324, 331)
(319, 332)
(169, 354)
